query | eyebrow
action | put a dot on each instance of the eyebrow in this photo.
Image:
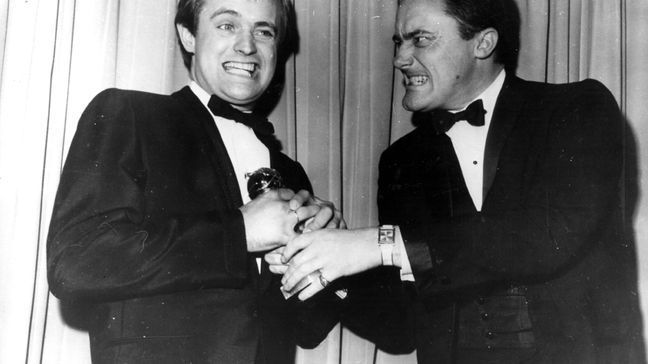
(266, 24)
(224, 11)
(409, 35)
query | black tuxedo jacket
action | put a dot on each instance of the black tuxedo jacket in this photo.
(543, 273)
(146, 228)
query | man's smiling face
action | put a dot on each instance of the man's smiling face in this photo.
(235, 49)
(438, 66)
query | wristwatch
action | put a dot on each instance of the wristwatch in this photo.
(386, 243)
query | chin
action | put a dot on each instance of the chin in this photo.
(243, 99)
(412, 105)
(416, 103)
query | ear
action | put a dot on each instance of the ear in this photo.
(485, 42)
(186, 38)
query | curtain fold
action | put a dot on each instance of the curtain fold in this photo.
(317, 95)
(635, 88)
(368, 79)
(340, 107)
(367, 104)
(317, 123)
(24, 108)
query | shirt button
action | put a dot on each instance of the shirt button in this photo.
(475, 162)
(484, 316)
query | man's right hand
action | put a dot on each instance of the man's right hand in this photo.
(269, 221)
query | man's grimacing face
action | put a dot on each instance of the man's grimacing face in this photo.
(438, 66)
(235, 49)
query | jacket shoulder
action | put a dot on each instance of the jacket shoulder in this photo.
(114, 103)
(118, 96)
(124, 112)
(588, 90)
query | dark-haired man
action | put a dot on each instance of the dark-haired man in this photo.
(153, 225)
(503, 205)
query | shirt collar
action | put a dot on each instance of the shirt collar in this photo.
(202, 95)
(489, 97)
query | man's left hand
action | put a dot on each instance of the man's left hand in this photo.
(327, 216)
(334, 253)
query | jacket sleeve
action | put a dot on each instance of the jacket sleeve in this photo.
(571, 187)
(102, 243)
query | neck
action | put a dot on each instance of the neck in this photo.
(205, 87)
(484, 77)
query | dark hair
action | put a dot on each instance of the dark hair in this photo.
(188, 11)
(474, 16)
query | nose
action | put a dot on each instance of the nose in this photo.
(404, 57)
(245, 43)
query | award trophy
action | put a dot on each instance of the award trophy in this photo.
(265, 179)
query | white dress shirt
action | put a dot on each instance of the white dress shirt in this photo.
(469, 143)
(245, 150)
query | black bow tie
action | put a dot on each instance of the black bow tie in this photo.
(443, 120)
(255, 121)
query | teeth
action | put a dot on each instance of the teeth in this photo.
(416, 80)
(239, 67)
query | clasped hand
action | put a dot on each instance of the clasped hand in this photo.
(334, 253)
(270, 219)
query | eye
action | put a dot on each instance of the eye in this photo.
(422, 40)
(265, 34)
(225, 26)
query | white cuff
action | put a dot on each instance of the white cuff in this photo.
(399, 250)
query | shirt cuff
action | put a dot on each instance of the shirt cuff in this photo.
(401, 254)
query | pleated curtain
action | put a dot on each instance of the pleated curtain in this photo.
(339, 109)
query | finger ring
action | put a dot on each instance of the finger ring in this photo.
(323, 281)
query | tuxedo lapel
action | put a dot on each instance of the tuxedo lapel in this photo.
(214, 147)
(509, 103)
(442, 175)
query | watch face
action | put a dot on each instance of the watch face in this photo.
(386, 234)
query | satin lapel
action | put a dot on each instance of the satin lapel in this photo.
(509, 103)
(214, 148)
